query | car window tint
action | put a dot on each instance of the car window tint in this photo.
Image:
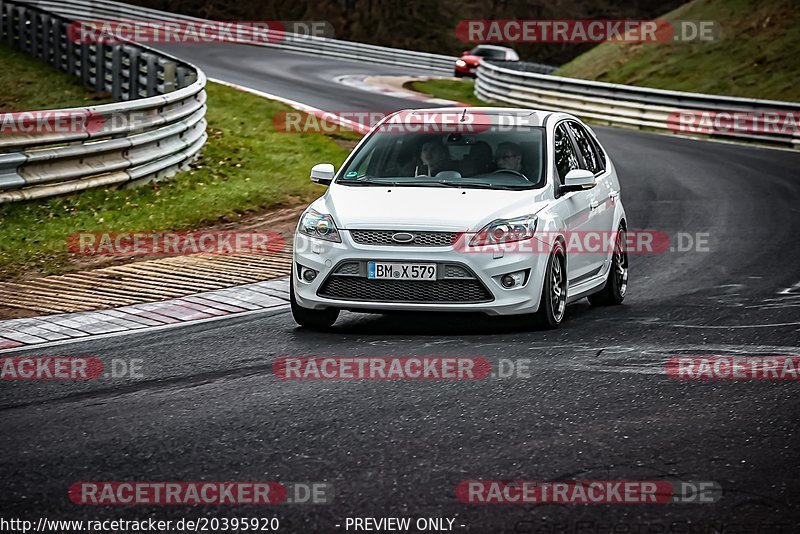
(591, 158)
(489, 52)
(566, 159)
(599, 151)
(490, 156)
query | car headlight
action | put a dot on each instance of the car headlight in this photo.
(461, 63)
(505, 231)
(314, 224)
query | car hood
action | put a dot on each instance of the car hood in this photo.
(424, 208)
(471, 60)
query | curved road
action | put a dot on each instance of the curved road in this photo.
(596, 404)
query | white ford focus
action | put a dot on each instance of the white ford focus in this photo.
(501, 211)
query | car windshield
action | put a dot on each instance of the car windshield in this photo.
(509, 158)
(488, 52)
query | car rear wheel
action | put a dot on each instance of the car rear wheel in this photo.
(553, 303)
(316, 319)
(617, 282)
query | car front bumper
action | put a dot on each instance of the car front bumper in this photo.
(468, 71)
(484, 268)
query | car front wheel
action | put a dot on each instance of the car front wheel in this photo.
(316, 319)
(553, 303)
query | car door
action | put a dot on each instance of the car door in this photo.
(576, 204)
(601, 200)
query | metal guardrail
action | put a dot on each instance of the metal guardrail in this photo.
(625, 105)
(102, 10)
(527, 66)
(157, 129)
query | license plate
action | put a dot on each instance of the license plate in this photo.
(378, 270)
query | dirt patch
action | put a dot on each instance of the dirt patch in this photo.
(281, 220)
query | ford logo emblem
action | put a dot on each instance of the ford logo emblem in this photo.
(403, 237)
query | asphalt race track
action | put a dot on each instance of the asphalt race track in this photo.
(596, 404)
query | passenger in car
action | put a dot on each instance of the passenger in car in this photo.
(434, 155)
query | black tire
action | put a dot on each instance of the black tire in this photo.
(553, 302)
(616, 285)
(316, 319)
(458, 74)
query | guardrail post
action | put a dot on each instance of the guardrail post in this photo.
(130, 72)
(34, 27)
(115, 74)
(186, 76)
(3, 23)
(47, 38)
(167, 75)
(19, 35)
(100, 67)
(70, 65)
(148, 75)
(59, 45)
(86, 51)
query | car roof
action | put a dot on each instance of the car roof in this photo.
(494, 47)
(482, 115)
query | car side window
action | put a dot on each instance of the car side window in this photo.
(566, 159)
(599, 151)
(591, 158)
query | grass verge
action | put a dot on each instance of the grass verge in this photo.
(756, 56)
(458, 90)
(247, 167)
(27, 84)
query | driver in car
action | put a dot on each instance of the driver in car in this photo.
(509, 156)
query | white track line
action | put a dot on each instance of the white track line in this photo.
(311, 110)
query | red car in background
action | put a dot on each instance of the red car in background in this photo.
(467, 64)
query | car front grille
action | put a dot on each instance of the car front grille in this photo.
(421, 239)
(456, 271)
(350, 268)
(418, 291)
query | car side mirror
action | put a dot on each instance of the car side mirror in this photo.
(322, 173)
(578, 180)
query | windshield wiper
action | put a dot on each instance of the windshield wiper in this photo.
(482, 185)
(433, 183)
(430, 183)
(365, 181)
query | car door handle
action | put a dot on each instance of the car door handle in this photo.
(593, 205)
(613, 195)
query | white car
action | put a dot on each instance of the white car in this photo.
(463, 210)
